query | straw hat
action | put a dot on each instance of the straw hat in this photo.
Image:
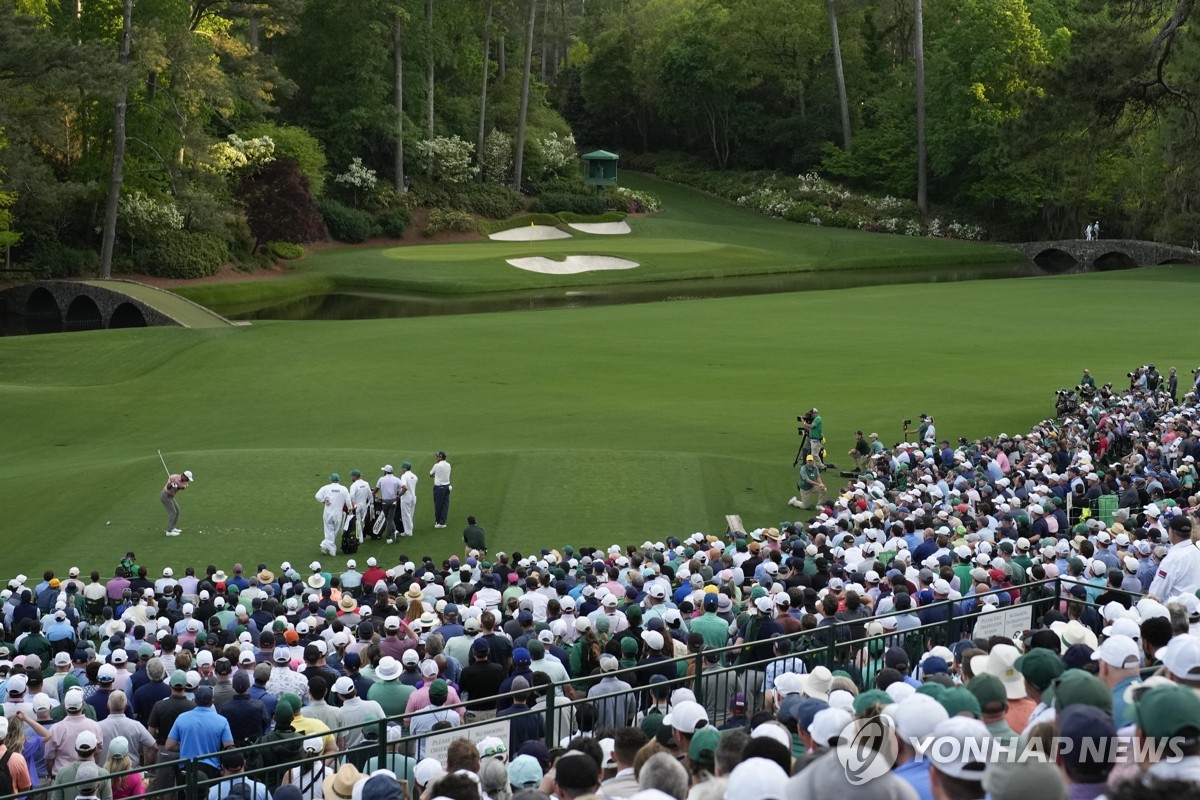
(340, 785)
(347, 603)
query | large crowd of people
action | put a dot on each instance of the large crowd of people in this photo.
(705, 666)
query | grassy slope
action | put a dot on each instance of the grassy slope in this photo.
(696, 236)
(578, 425)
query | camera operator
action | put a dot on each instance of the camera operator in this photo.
(1153, 379)
(811, 487)
(861, 453)
(1088, 380)
(814, 426)
(1172, 386)
(929, 437)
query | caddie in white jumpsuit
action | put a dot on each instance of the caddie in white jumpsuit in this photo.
(408, 496)
(336, 500)
(361, 499)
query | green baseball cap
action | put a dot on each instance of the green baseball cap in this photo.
(334, 477)
(987, 689)
(703, 748)
(628, 646)
(960, 701)
(406, 465)
(439, 690)
(1040, 667)
(178, 679)
(1076, 687)
(870, 698)
(1167, 711)
(934, 690)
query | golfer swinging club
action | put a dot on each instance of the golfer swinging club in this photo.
(175, 484)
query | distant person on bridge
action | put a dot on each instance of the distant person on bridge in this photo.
(1088, 234)
(175, 484)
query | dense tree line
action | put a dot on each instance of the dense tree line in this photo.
(126, 122)
(147, 127)
(1040, 115)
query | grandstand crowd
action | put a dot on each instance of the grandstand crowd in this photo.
(703, 667)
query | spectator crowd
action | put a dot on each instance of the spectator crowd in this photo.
(743, 666)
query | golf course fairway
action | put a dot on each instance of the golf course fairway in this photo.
(589, 425)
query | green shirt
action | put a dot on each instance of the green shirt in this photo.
(817, 431)
(810, 476)
(392, 696)
(473, 537)
(714, 629)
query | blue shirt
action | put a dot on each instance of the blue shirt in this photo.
(201, 732)
(916, 774)
(1122, 712)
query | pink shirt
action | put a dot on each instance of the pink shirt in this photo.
(419, 699)
(176, 483)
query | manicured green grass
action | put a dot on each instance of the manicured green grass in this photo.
(586, 425)
(695, 236)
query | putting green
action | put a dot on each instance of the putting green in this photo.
(587, 425)
(695, 236)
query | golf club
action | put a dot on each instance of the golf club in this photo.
(164, 463)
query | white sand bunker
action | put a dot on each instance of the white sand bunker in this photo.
(571, 264)
(602, 228)
(533, 233)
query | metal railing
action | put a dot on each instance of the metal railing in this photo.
(712, 675)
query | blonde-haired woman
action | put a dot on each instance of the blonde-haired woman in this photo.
(131, 785)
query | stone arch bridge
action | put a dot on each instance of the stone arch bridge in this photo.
(1103, 254)
(58, 306)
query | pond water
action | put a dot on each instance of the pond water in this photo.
(365, 305)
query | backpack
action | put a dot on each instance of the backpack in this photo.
(6, 784)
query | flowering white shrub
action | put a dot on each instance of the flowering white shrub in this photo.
(559, 153)
(142, 216)
(632, 201)
(235, 153)
(816, 201)
(357, 176)
(497, 156)
(448, 158)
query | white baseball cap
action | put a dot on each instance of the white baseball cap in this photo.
(686, 716)
(972, 735)
(1118, 651)
(757, 779)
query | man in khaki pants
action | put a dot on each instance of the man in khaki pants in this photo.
(812, 488)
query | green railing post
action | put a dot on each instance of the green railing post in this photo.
(550, 714)
(949, 623)
(831, 648)
(191, 788)
(382, 744)
(697, 683)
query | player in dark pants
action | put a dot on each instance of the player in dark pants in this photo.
(441, 489)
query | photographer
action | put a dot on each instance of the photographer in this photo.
(1087, 380)
(1172, 385)
(811, 487)
(814, 426)
(861, 453)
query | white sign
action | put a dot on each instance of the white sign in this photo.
(437, 744)
(1008, 622)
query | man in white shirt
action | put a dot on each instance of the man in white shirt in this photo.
(388, 488)
(336, 501)
(408, 497)
(441, 489)
(360, 498)
(1179, 572)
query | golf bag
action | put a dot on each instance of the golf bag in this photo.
(350, 534)
(380, 520)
